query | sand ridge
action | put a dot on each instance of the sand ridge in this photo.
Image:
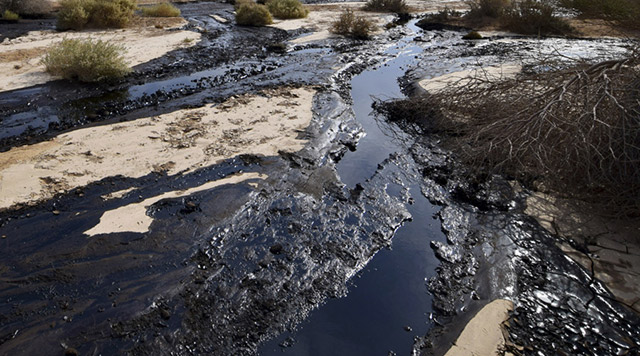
(174, 143)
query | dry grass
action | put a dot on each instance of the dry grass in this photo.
(287, 9)
(164, 9)
(21, 54)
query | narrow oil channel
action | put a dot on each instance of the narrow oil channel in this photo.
(388, 303)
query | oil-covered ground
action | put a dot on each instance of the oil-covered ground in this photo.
(353, 235)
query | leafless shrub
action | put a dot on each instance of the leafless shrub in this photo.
(575, 131)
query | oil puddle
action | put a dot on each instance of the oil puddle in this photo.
(388, 304)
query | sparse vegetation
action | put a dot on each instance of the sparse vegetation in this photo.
(164, 9)
(624, 12)
(86, 60)
(287, 9)
(574, 131)
(353, 26)
(238, 3)
(78, 14)
(112, 13)
(397, 6)
(473, 35)
(443, 15)
(531, 17)
(10, 15)
(534, 17)
(253, 15)
(26, 8)
(487, 8)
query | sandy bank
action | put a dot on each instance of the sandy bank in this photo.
(20, 57)
(177, 142)
(483, 334)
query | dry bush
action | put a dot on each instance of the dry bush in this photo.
(350, 25)
(27, 8)
(112, 13)
(164, 9)
(397, 6)
(238, 3)
(86, 60)
(253, 14)
(74, 14)
(78, 14)
(287, 9)
(487, 8)
(575, 131)
(443, 15)
(624, 12)
(534, 17)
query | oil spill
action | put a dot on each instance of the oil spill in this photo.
(226, 270)
(388, 304)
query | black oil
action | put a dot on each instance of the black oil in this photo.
(387, 304)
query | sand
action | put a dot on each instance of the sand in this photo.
(133, 217)
(483, 335)
(461, 78)
(174, 143)
(20, 58)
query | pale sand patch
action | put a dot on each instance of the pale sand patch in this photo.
(133, 217)
(483, 336)
(117, 195)
(177, 142)
(464, 77)
(22, 68)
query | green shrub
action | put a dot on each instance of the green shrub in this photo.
(10, 15)
(74, 14)
(78, 14)
(473, 35)
(238, 3)
(253, 15)
(86, 60)
(534, 17)
(161, 10)
(397, 6)
(487, 8)
(112, 13)
(353, 26)
(287, 9)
